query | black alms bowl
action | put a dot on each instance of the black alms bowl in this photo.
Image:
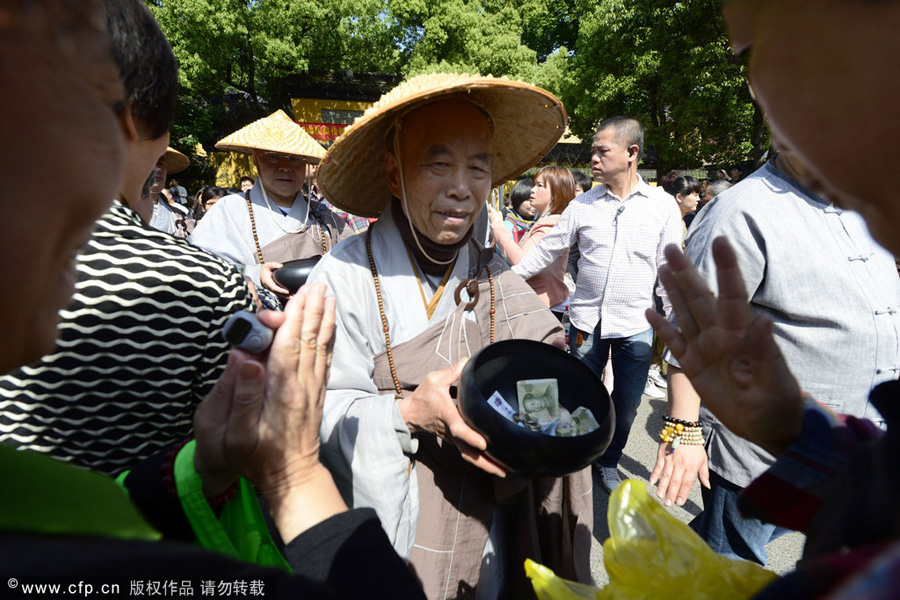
(294, 273)
(531, 453)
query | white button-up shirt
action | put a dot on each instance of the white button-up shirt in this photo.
(621, 244)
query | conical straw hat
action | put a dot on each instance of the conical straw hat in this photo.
(275, 133)
(527, 122)
(175, 161)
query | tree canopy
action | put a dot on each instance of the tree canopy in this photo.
(667, 63)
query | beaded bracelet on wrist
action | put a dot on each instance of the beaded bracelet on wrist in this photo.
(676, 434)
(168, 478)
(675, 421)
(219, 500)
(167, 468)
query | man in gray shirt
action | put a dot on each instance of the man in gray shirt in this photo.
(834, 297)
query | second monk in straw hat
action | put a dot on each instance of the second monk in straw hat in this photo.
(415, 296)
(166, 217)
(271, 223)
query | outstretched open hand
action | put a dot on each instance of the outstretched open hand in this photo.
(729, 353)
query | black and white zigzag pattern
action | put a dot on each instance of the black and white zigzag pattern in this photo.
(138, 348)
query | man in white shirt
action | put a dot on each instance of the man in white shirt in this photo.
(621, 229)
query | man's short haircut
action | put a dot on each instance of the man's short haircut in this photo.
(246, 178)
(582, 179)
(628, 132)
(146, 65)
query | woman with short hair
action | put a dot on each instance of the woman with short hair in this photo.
(520, 217)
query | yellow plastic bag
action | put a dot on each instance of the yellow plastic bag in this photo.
(547, 586)
(651, 554)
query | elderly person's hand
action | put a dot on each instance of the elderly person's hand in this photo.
(268, 279)
(431, 409)
(729, 355)
(262, 419)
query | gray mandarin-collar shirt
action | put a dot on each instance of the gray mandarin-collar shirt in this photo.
(833, 294)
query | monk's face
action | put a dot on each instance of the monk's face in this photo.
(282, 174)
(827, 73)
(59, 87)
(445, 150)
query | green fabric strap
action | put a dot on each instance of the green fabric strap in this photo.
(43, 495)
(240, 531)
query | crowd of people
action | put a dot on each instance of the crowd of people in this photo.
(336, 463)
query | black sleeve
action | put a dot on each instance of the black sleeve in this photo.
(349, 552)
(158, 502)
(362, 564)
(350, 548)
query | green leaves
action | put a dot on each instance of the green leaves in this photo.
(667, 63)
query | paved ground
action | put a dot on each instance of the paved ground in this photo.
(638, 461)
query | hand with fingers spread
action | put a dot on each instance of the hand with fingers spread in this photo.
(262, 419)
(267, 278)
(728, 353)
(430, 409)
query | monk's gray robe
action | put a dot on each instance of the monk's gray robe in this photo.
(226, 231)
(436, 509)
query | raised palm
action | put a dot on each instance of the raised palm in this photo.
(728, 353)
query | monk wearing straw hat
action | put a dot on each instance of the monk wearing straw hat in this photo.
(416, 296)
(165, 216)
(272, 223)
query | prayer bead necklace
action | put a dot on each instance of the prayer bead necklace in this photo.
(259, 254)
(384, 321)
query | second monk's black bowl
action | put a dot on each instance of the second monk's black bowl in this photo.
(531, 453)
(294, 273)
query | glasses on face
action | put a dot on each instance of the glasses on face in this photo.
(276, 157)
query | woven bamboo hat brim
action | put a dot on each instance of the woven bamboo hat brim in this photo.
(175, 161)
(275, 133)
(527, 122)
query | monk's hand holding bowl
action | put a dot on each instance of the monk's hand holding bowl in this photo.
(431, 409)
(268, 280)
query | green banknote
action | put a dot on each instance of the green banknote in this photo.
(539, 398)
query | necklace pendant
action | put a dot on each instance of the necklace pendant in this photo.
(471, 287)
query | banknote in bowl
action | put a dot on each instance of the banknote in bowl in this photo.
(539, 398)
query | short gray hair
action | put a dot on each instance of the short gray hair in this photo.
(715, 188)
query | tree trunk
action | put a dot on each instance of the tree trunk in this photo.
(760, 135)
(251, 75)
